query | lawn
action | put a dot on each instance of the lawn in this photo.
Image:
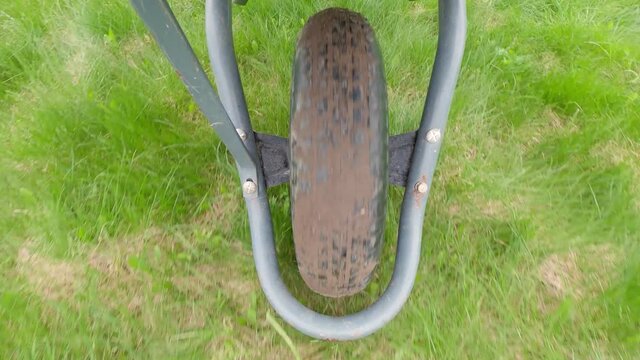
(124, 233)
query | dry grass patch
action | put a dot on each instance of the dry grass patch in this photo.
(206, 280)
(548, 61)
(78, 52)
(578, 275)
(51, 279)
(560, 275)
(551, 124)
(626, 152)
(122, 285)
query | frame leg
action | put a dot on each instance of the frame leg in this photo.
(159, 18)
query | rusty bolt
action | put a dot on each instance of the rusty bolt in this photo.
(242, 134)
(421, 187)
(433, 136)
(249, 187)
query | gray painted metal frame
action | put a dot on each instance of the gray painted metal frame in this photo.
(164, 27)
(230, 113)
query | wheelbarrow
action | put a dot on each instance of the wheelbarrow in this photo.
(338, 159)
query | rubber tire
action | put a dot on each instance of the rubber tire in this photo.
(339, 159)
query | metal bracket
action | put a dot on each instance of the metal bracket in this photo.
(274, 157)
(400, 154)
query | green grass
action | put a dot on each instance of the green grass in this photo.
(123, 230)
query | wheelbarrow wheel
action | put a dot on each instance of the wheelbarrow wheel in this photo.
(338, 147)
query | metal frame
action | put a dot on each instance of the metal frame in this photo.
(229, 116)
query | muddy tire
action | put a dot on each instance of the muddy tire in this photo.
(339, 155)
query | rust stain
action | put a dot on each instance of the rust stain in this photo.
(417, 195)
(339, 153)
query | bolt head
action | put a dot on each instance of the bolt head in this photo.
(433, 136)
(249, 187)
(242, 134)
(422, 187)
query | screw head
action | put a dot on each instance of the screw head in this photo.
(249, 187)
(242, 134)
(434, 135)
(421, 187)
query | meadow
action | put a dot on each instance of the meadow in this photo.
(123, 233)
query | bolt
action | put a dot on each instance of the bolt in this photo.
(433, 136)
(242, 134)
(421, 187)
(249, 187)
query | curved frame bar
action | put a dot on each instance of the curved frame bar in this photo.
(230, 113)
(452, 33)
